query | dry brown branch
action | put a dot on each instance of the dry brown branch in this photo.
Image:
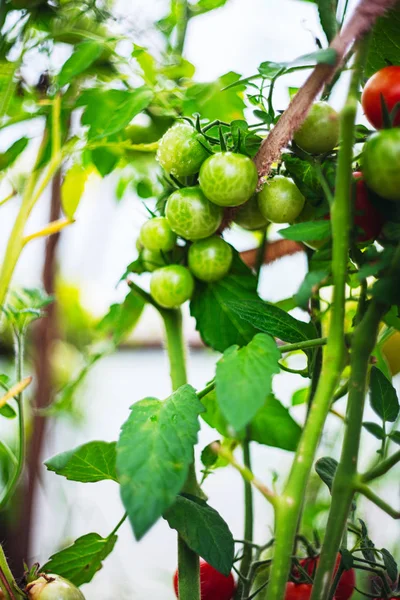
(361, 21)
(273, 252)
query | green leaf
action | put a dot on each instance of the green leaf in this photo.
(211, 304)
(375, 429)
(395, 436)
(390, 564)
(91, 462)
(244, 379)
(306, 177)
(326, 468)
(105, 160)
(300, 396)
(72, 189)
(204, 531)
(327, 15)
(8, 157)
(122, 318)
(312, 279)
(107, 112)
(383, 396)
(154, 452)
(384, 47)
(308, 231)
(214, 100)
(8, 412)
(326, 56)
(80, 562)
(270, 319)
(204, 6)
(83, 56)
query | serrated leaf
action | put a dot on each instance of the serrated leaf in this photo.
(384, 47)
(91, 462)
(154, 452)
(72, 189)
(83, 56)
(211, 305)
(80, 562)
(204, 531)
(383, 396)
(326, 468)
(216, 100)
(270, 319)
(374, 429)
(244, 379)
(307, 231)
(390, 564)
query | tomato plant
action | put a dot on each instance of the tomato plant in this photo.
(382, 86)
(232, 175)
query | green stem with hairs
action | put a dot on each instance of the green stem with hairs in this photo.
(381, 468)
(8, 584)
(188, 561)
(288, 505)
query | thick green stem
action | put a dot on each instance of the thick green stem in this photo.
(188, 561)
(288, 506)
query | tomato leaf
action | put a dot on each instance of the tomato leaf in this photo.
(72, 189)
(8, 157)
(154, 452)
(384, 48)
(374, 429)
(80, 562)
(327, 16)
(122, 318)
(273, 320)
(300, 396)
(91, 462)
(395, 436)
(390, 564)
(83, 56)
(211, 305)
(216, 100)
(204, 531)
(305, 291)
(383, 396)
(308, 231)
(244, 379)
(326, 468)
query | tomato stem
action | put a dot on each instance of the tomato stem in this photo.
(8, 584)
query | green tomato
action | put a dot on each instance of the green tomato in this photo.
(319, 132)
(228, 179)
(381, 163)
(171, 286)
(280, 200)
(191, 215)
(53, 587)
(249, 216)
(152, 259)
(180, 151)
(210, 259)
(156, 234)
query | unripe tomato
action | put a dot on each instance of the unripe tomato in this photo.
(366, 216)
(228, 179)
(156, 234)
(53, 587)
(213, 585)
(171, 286)
(180, 152)
(391, 351)
(381, 163)
(385, 83)
(280, 200)
(319, 131)
(210, 259)
(298, 591)
(346, 583)
(249, 216)
(152, 259)
(191, 215)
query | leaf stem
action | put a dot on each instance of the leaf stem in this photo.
(377, 500)
(248, 518)
(118, 525)
(381, 468)
(8, 584)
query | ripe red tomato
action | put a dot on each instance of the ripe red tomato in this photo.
(213, 585)
(346, 583)
(386, 83)
(367, 217)
(298, 591)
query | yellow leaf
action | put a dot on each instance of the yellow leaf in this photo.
(72, 189)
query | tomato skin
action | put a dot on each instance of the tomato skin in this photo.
(381, 163)
(191, 215)
(156, 234)
(391, 351)
(386, 83)
(249, 216)
(298, 591)
(171, 286)
(180, 152)
(228, 179)
(367, 217)
(346, 583)
(319, 131)
(53, 587)
(210, 259)
(213, 585)
(280, 200)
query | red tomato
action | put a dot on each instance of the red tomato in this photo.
(298, 591)
(367, 217)
(386, 83)
(213, 585)
(347, 581)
